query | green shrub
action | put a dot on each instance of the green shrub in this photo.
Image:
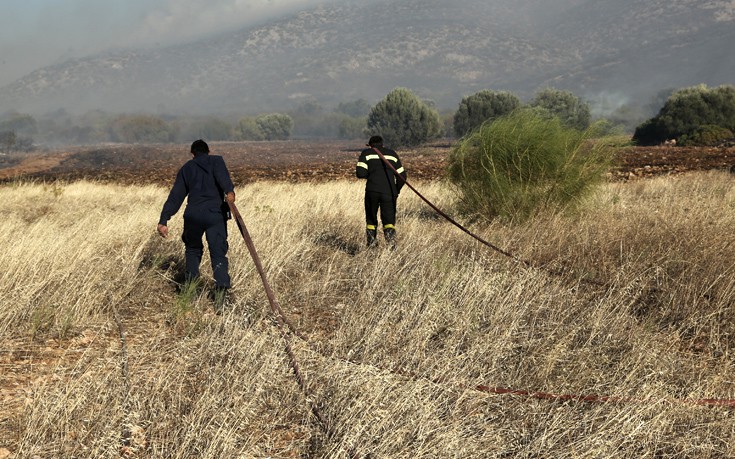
(686, 111)
(248, 129)
(707, 135)
(403, 120)
(351, 127)
(204, 127)
(570, 109)
(482, 106)
(141, 128)
(525, 162)
(275, 126)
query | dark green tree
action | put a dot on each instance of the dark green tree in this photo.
(482, 106)
(248, 129)
(686, 111)
(570, 109)
(704, 136)
(205, 127)
(403, 120)
(275, 126)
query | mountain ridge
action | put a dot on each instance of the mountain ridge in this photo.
(354, 50)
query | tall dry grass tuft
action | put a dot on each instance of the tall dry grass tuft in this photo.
(398, 341)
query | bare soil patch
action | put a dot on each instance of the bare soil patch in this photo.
(302, 160)
(292, 161)
(637, 162)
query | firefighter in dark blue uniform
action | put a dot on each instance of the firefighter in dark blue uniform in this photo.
(206, 181)
(381, 190)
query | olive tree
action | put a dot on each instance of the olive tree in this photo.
(571, 110)
(275, 126)
(248, 129)
(685, 113)
(403, 120)
(21, 124)
(482, 106)
(205, 127)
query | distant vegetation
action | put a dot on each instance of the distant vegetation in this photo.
(525, 162)
(693, 116)
(141, 129)
(16, 132)
(696, 115)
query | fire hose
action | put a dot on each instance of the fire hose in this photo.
(526, 263)
(281, 320)
(282, 323)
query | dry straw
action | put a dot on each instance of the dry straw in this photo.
(398, 340)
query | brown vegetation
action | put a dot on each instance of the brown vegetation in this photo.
(103, 354)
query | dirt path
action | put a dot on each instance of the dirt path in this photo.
(34, 165)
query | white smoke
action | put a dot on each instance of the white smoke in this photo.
(175, 21)
(35, 34)
(603, 104)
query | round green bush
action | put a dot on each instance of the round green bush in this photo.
(705, 136)
(686, 110)
(526, 162)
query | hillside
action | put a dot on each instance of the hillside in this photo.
(441, 50)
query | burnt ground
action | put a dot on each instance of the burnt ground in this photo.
(302, 160)
(248, 162)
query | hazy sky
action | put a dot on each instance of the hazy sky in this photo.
(35, 33)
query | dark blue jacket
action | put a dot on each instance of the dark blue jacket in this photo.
(205, 179)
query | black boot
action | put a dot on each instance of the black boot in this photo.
(390, 237)
(372, 237)
(220, 300)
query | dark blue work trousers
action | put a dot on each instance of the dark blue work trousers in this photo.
(214, 224)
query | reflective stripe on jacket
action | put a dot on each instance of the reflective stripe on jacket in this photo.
(380, 177)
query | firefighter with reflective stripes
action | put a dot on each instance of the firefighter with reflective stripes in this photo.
(382, 189)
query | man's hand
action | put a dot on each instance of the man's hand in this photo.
(163, 230)
(230, 197)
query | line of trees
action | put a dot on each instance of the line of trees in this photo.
(696, 116)
(402, 118)
(18, 131)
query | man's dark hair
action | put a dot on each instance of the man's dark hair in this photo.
(200, 147)
(375, 140)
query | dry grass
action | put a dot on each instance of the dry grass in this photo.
(398, 340)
